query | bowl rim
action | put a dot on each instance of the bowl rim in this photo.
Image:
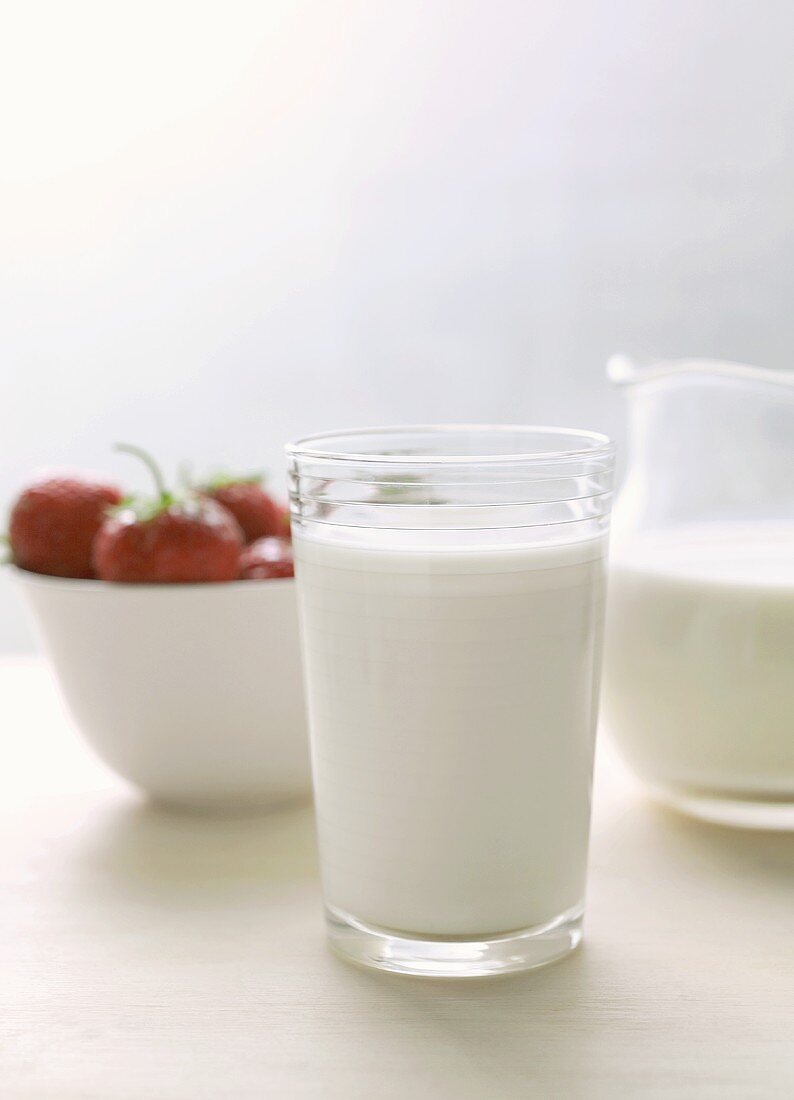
(46, 580)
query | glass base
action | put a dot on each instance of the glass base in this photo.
(453, 957)
(743, 813)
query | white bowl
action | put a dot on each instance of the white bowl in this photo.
(191, 692)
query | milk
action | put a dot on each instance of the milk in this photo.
(699, 679)
(452, 701)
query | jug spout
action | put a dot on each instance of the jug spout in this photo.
(622, 370)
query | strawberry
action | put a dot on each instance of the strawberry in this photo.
(54, 522)
(266, 559)
(168, 539)
(255, 510)
(286, 523)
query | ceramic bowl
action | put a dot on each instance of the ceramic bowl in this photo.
(193, 692)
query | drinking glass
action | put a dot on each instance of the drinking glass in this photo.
(451, 585)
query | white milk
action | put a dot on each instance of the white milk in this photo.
(452, 700)
(699, 678)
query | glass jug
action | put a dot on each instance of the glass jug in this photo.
(699, 670)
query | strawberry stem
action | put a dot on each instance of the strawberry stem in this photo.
(138, 452)
(184, 475)
(222, 480)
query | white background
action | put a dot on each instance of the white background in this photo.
(225, 225)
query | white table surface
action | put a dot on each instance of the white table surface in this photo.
(153, 955)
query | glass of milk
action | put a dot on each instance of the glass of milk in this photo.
(699, 670)
(451, 590)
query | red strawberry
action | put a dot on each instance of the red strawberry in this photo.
(168, 540)
(254, 509)
(266, 559)
(54, 521)
(286, 524)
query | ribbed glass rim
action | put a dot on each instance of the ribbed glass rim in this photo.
(592, 445)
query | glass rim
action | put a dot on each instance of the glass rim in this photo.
(598, 445)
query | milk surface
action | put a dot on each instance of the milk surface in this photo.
(452, 700)
(699, 676)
